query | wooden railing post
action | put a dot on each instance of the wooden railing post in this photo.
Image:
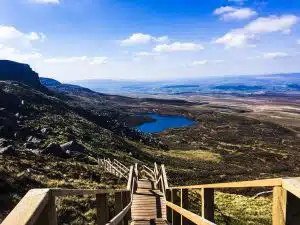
(169, 210)
(184, 202)
(102, 209)
(48, 215)
(125, 201)
(279, 206)
(176, 200)
(118, 203)
(207, 203)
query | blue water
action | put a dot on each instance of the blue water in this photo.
(164, 122)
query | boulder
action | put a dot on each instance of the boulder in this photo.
(34, 140)
(73, 146)
(9, 150)
(54, 149)
(45, 131)
(4, 142)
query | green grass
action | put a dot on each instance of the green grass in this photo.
(236, 209)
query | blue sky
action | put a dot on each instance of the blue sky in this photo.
(151, 39)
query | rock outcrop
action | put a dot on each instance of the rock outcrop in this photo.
(14, 71)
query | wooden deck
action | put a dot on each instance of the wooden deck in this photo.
(148, 204)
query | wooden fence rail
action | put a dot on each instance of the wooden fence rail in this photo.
(285, 209)
(38, 206)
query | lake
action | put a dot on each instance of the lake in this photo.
(164, 122)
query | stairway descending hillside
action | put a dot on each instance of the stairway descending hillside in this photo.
(148, 200)
(148, 204)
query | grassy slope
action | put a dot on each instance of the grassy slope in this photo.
(221, 147)
(26, 170)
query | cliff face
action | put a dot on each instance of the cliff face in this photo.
(10, 70)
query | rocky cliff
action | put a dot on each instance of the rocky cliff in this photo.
(19, 72)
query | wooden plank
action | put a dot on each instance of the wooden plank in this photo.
(102, 208)
(292, 185)
(28, 210)
(164, 174)
(48, 216)
(198, 220)
(207, 203)
(130, 179)
(243, 184)
(279, 206)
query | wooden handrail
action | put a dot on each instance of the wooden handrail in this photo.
(38, 205)
(292, 185)
(242, 184)
(120, 216)
(121, 165)
(29, 208)
(189, 215)
(111, 166)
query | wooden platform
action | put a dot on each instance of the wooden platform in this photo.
(148, 206)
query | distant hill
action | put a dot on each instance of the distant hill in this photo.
(49, 81)
(14, 71)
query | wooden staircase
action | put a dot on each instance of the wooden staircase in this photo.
(148, 200)
(148, 204)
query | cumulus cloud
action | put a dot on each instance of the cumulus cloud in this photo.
(17, 45)
(274, 55)
(140, 38)
(205, 62)
(91, 60)
(146, 54)
(10, 36)
(242, 37)
(178, 47)
(233, 13)
(46, 1)
(16, 55)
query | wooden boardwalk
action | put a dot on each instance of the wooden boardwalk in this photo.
(148, 200)
(148, 204)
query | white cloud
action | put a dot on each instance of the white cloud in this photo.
(17, 45)
(140, 38)
(205, 62)
(298, 41)
(178, 47)
(98, 60)
(10, 36)
(223, 9)
(233, 13)
(242, 37)
(91, 60)
(274, 55)
(46, 1)
(13, 54)
(146, 54)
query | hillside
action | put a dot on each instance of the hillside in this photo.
(52, 136)
(46, 141)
